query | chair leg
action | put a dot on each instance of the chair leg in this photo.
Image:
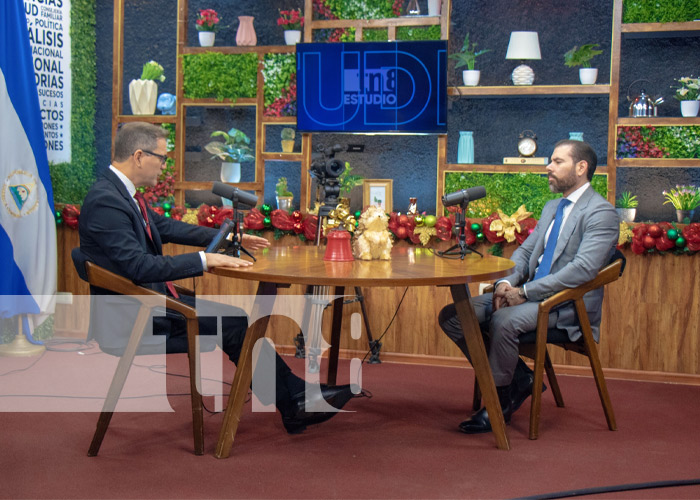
(552, 377)
(120, 375)
(195, 386)
(540, 351)
(592, 353)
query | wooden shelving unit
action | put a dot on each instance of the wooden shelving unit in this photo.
(531, 91)
(660, 30)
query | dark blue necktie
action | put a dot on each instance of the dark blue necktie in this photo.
(546, 264)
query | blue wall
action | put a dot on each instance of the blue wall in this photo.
(412, 161)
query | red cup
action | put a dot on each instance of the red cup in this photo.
(338, 248)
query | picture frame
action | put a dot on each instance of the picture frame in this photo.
(378, 192)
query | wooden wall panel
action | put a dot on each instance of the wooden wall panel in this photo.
(650, 316)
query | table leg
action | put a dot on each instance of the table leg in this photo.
(336, 324)
(244, 373)
(480, 362)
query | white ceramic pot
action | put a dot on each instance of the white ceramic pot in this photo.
(230, 172)
(471, 77)
(588, 76)
(434, 7)
(627, 214)
(690, 108)
(206, 38)
(284, 202)
(292, 37)
(143, 95)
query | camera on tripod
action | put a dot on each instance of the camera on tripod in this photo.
(327, 168)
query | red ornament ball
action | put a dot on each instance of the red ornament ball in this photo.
(649, 241)
(655, 231)
(298, 227)
(403, 220)
(401, 231)
(296, 216)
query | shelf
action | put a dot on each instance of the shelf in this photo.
(505, 169)
(206, 186)
(659, 162)
(267, 156)
(279, 120)
(531, 90)
(257, 49)
(658, 121)
(212, 102)
(375, 23)
(147, 118)
(661, 30)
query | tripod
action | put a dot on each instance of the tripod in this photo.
(228, 237)
(460, 248)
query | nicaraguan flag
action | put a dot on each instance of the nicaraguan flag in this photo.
(27, 225)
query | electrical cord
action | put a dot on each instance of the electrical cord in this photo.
(612, 489)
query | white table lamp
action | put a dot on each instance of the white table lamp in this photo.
(523, 45)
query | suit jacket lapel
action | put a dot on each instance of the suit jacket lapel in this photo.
(571, 222)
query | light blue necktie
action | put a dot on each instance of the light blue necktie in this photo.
(546, 264)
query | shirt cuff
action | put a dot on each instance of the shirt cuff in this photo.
(524, 290)
(204, 261)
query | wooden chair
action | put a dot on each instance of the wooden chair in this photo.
(99, 277)
(534, 345)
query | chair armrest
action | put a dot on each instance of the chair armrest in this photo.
(608, 274)
(183, 290)
(108, 280)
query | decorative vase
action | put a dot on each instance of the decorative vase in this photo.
(471, 77)
(465, 148)
(284, 202)
(288, 146)
(143, 95)
(206, 38)
(434, 7)
(230, 172)
(413, 9)
(292, 37)
(576, 136)
(682, 214)
(588, 76)
(690, 108)
(627, 214)
(245, 36)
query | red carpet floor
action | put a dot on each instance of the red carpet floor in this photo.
(401, 443)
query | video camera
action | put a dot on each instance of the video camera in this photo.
(327, 168)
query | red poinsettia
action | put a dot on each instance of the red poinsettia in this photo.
(691, 233)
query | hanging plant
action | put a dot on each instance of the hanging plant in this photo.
(279, 73)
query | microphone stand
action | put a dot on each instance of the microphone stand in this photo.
(461, 248)
(234, 246)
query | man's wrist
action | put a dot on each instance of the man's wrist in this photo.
(522, 293)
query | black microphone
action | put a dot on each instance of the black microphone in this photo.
(464, 196)
(234, 194)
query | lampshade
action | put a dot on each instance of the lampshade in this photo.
(524, 45)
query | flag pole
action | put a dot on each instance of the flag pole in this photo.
(20, 347)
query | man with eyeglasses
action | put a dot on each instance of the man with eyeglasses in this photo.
(118, 232)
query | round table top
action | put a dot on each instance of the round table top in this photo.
(409, 266)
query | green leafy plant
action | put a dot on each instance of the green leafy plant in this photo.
(581, 56)
(219, 76)
(468, 54)
(152, 71)
(281, 188)
(654, 11)
(627, 200)
(348, 181)
(234, 149)
(688, 89)
(683, 197)
(288, 134)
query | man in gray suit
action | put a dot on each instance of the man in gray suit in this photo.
(587, 227)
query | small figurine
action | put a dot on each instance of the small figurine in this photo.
(166, 103)
(412, 206)
(374, 240)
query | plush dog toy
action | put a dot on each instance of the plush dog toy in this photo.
(372, 239)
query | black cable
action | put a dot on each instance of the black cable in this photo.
(612, 489)
(82, 344)
(24, 369)
(386, 329)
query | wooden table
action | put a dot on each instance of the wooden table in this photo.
(410, 266)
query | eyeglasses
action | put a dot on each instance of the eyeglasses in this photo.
(162, 158)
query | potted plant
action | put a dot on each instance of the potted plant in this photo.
(626, 206)
(467, 57)
(232, 152)
(684, 199)
(288, 139)
(284, 195)
(688, 92)
(143, 92)
(581, 56)
(348, 181)
(291, 21)
(207, 25)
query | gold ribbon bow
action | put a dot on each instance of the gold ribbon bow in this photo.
(340, 216)
(425, 233)
(507, 226)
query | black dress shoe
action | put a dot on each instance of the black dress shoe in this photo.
(518, 396)
(480, 422)
(304, 415)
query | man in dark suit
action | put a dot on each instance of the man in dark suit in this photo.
(121, 234)
(587, 227)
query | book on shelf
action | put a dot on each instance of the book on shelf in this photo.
(522, 160)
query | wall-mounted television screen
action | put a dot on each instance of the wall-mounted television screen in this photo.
(372, 87)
